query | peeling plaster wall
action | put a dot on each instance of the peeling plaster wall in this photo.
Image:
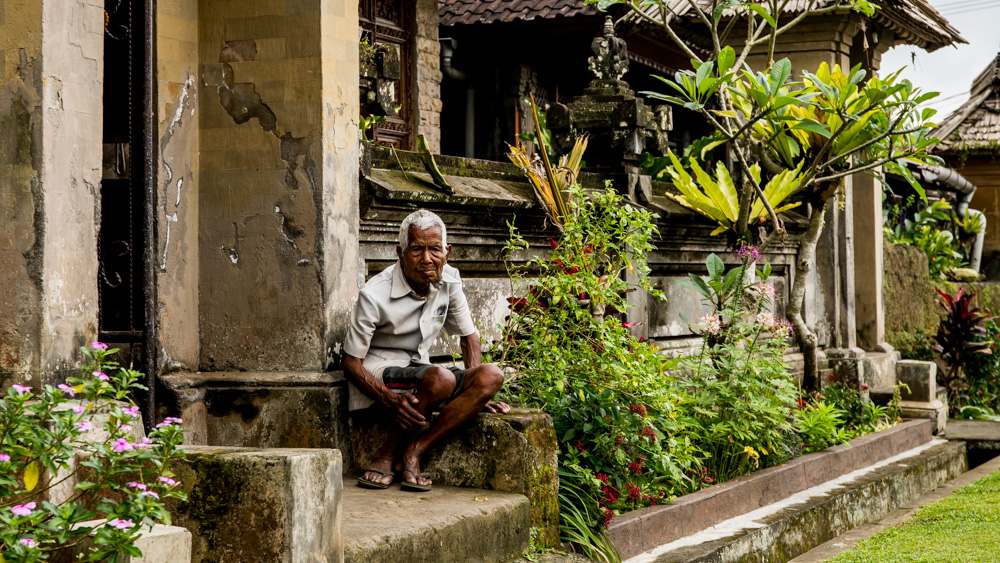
(343, 270)
(177, 251)
(427, 73)
(72, 127)
(265, 144)
(21, 212)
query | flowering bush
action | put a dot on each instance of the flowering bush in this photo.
(120, 480)
(740, 394)
(614, 409)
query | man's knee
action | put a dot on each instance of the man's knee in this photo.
(438, 381)
(489, 378)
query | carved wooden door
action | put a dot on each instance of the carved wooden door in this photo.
(390, 21)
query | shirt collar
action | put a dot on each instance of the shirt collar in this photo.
(400, 288)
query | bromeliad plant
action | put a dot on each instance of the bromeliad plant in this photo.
(43, 432)
(959, 338)
(786, 138)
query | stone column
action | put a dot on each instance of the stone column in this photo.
(278, 181)
(427, 73)
(868, 286)
(51, 68)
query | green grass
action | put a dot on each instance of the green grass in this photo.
(963, 527)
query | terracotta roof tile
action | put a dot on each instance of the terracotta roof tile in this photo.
(466, 12)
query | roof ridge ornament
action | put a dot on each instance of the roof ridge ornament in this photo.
(610, 60)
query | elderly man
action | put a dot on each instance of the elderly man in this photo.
(398, 316)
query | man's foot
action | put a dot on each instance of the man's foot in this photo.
(378, 475)
(413, 479)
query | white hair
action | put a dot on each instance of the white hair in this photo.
(421, 220)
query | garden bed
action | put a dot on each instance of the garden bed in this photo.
(647, 528)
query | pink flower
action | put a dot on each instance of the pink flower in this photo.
(4, 457)
(27, 542)
(85, 425)
(100, 375)
(122, 445)
(137, 485)
(79, 409)
(21, 389)
(149, 494)
(126, 427)
(169, 421)
(98, 346)
(121, 524)
(711, 324)
(132, 411)
(66, 389)
(146, 441)
(23, 509)
(766, 289)
(168, 481)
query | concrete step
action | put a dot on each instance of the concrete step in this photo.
(789, 528)
(447, 524)
(162, 544)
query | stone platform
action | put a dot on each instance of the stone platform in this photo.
(446, 524)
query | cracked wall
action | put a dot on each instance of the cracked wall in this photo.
(268, 150)
(50, 154)
(427, 72)
(177, 251)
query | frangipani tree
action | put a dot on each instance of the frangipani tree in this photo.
(789, 141)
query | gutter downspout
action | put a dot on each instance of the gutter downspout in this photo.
(448, 47)
(952, 181)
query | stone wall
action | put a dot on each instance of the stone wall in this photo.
(50, 155)
(177, 250)
(427, 73)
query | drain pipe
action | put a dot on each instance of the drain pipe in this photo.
(952, 181)
(448, 46)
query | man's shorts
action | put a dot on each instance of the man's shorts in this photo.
(407, 379)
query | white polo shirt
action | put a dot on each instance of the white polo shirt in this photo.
(393, 326)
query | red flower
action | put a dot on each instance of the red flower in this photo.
(553, 243)
(579, 446)
(627, 324)
(638, 409)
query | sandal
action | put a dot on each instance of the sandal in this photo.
(415, 487)
(369, 484)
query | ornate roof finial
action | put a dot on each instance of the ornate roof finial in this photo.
(610, 60)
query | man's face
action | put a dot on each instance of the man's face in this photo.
(424, 258)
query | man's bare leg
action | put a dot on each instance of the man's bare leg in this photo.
(481, 384)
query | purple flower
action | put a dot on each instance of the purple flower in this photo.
(85, 425)
(748, 252)
(121, 524)
(132, 411)
(122, 445)
(98, 346)
(21, 389)
(27, 542)
(168, 481)
(169, 421)
(79, 409)
(137, 485)
(66, 389)
(149, 494)
(23, 509)
(5, 457)
(100, 375)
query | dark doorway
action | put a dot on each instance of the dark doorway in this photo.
(124, 241)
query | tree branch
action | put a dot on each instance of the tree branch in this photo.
(666, 26)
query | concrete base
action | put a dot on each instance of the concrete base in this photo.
(261, 505)
(786, 530)
(935, 411)
(977, 434)
(162, 544)
(448, 524)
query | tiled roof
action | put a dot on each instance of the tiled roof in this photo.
(914, 22)
(976, 124)
(465, 12)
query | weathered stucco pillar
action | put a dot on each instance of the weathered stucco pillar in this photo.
(427, 73)
(51, 60)
(278, 188)
(868, 287)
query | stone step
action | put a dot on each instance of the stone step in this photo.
(162, 544)
(446, 524)
(789, 528)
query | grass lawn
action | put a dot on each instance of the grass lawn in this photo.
(965, 526)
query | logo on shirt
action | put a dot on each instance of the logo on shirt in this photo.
(442, 309)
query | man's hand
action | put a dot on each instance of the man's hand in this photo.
(497, 407)
(407, 416)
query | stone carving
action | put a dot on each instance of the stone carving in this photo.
(610, 60)
(380, 69)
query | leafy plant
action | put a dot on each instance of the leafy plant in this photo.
(930, 231)
(820, 425)
(550, 183)
(958, 340)
(42, 432)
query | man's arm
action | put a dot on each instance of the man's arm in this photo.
(401, 403)
(472, 353)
